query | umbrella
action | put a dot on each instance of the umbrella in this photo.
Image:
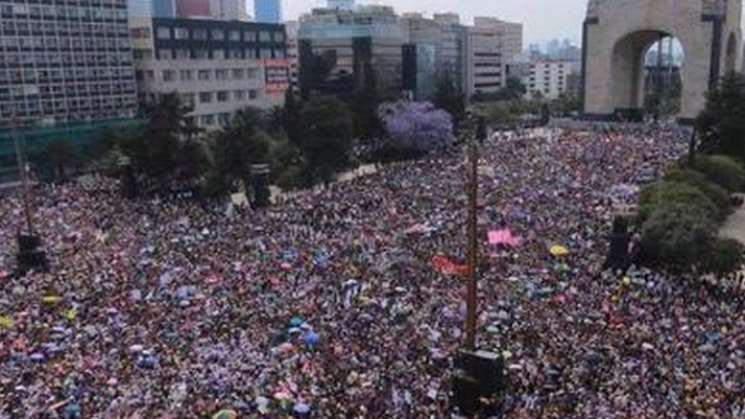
(301, 410)
(262, 403)
(6, 322)
(286, 347)
(226, 414)
(71, 314)
(282, 395)
(311, 339)
(51, 299)
(296, 322)
(559, 251)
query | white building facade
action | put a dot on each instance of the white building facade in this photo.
(549, 78)
(215, 67)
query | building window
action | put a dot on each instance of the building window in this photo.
(181, 33)
(249, 36)
(279, 36)
(221, 74)
(224, 118)
(165, 54)
(235, 35)
(266, 53)
(265, 36)
(205, 97)
(238, 74)
(218, 54)
(239, 95)
(200, 34)
(253, 94)
(222, 96)
(235, 53)
(187, 99)
(204, 75)
(206, 120)
(201, 54)
(164, 33)
(218, 35)
(169, 75)
(181, 54)
(252, 73)
(186, 75)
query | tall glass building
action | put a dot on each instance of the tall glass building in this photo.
(64, 62)
(268, 11)
(140, 8)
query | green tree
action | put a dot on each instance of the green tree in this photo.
(292, 123)
(168, 147)
(722, 123)
(58, 156)
(327, 143)
(233, 149)
(450, 98)
(364, 104)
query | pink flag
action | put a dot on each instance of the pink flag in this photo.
(504, 237)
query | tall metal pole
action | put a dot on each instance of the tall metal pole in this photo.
(471, 297)
(24, 179)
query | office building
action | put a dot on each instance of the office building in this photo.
(140, 8)
(340, 4)
(292, 28)
(337, 47)
(193, 9)
(510, 35)
(550, 78)
(268, 11)
(217, 67)
(164, 8)
(492, 44)
(64, 62)
(440, 47)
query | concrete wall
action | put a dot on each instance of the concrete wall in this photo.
(618, 32)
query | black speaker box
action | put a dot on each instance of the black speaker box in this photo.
(486, 367)
(466, 393)
(28, 243)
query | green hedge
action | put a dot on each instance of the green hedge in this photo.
(723, 256)
(718, 195)
(664, 193)
(676, 234)
(722, 170)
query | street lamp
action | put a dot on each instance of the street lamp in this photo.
(479, 374)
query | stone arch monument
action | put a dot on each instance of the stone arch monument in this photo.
(618, 33)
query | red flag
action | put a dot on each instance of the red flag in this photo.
(447, 266)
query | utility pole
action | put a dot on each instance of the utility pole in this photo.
(472, 287)
(23, 174)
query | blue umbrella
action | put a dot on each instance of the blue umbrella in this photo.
(296, 321)
(311, 339)
(72, 411)
(301, 410)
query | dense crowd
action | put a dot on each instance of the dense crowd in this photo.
(328, 305)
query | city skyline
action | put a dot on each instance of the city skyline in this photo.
(564, 21)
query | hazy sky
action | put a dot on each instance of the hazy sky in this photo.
(543, 19)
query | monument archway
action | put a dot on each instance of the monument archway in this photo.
(618, 33)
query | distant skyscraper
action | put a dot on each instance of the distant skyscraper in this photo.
(164, 8)
(140, 9)
(193, 8)
(268, 11)
(340, 4)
